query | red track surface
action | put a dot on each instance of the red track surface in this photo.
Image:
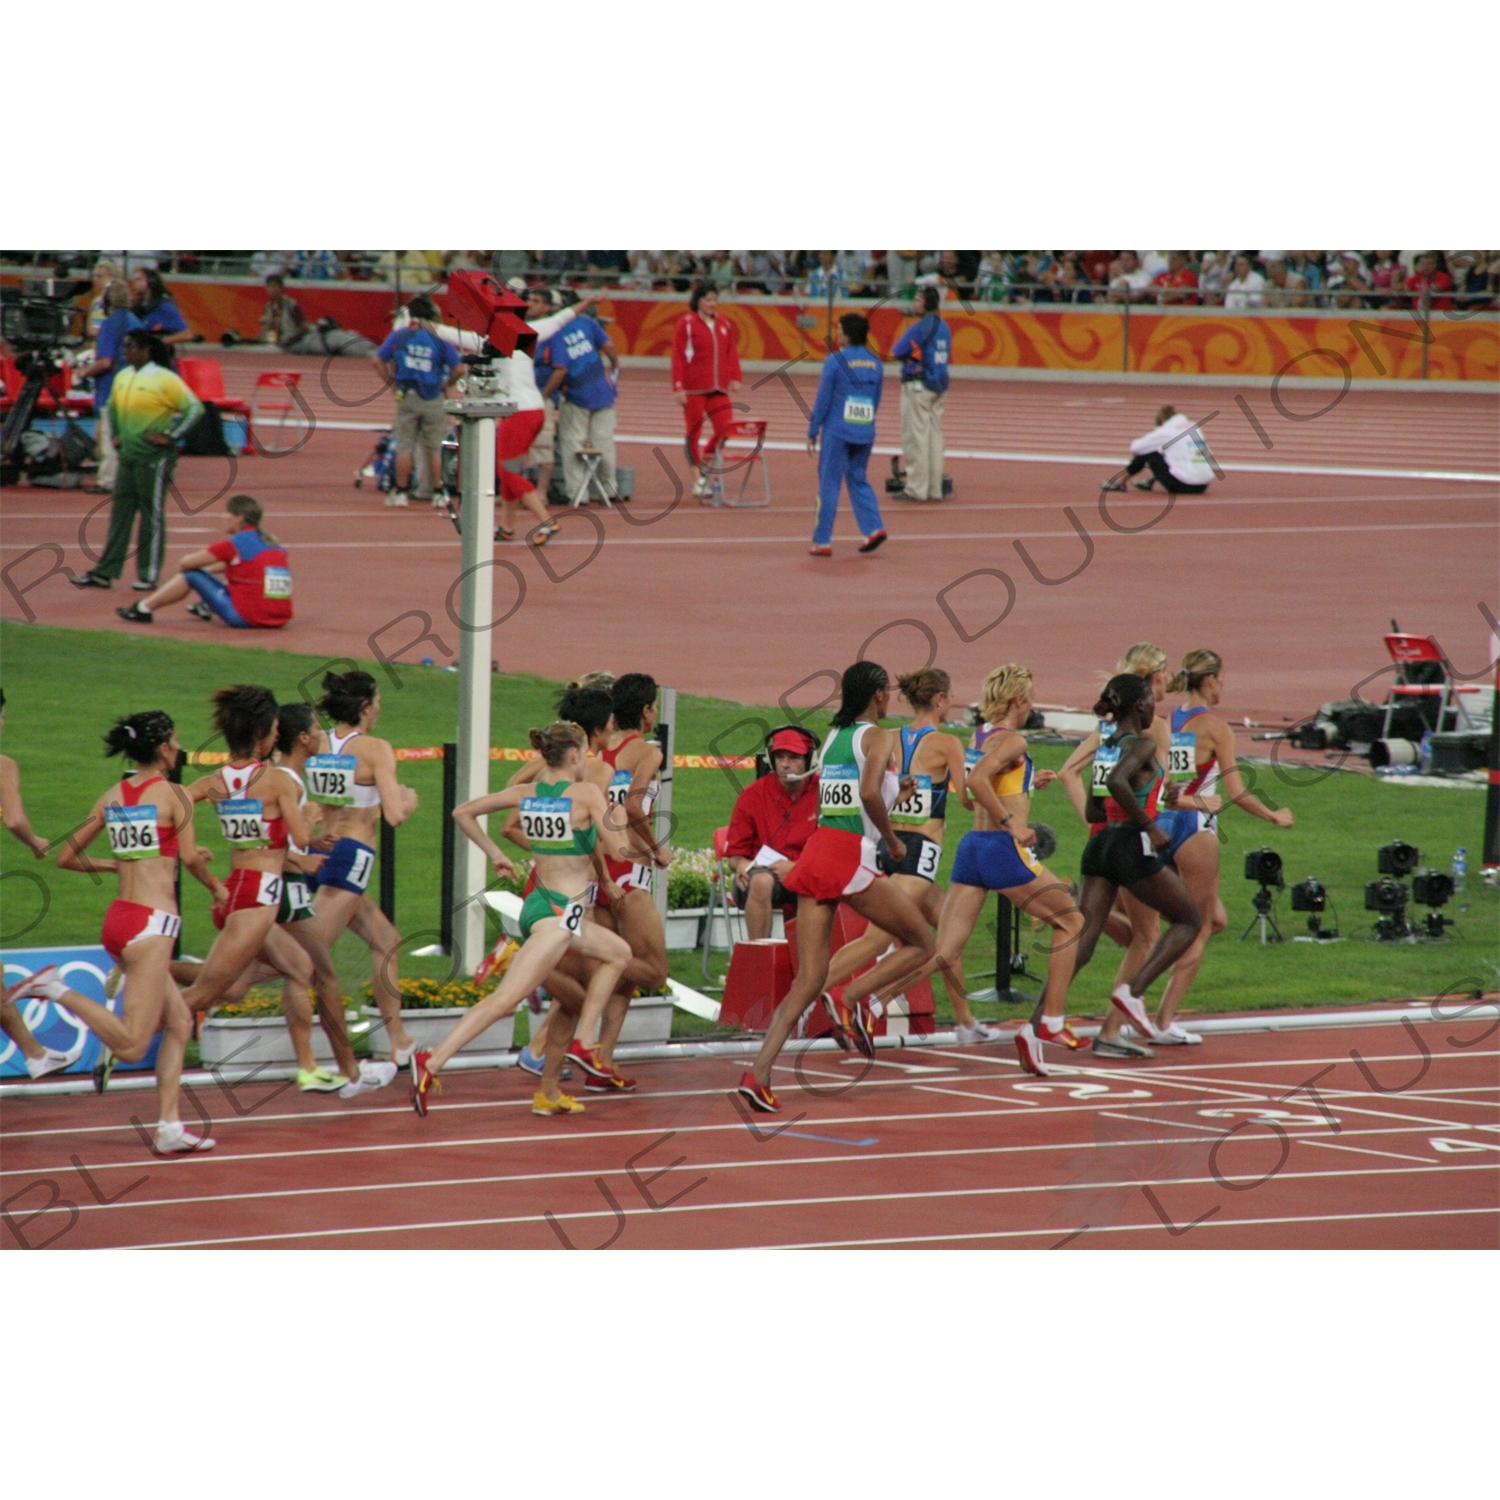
(1292, 577)
(952, 1147)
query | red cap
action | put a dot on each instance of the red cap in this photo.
(798, 741)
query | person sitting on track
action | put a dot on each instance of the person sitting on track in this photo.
(564, 818)
(243, 581)
(150, 826)
(1126, 852)
(773, 819)
(1177, 453)
(856, 788)
(354, 777)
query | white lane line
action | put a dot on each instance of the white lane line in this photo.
(1156, 1226)
(1365, 1150)
(932, 1088)
(1312, 1062)
(761, 1204)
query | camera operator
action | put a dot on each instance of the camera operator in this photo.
(923, 351)
(109, 355)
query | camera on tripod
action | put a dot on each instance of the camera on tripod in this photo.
(1433, 888)
(1397, 858)
(1387, 898)
(37, 321)
(1311, 896)
(1264, 867)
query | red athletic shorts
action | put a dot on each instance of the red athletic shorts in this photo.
(513, 439)
(248, 888)
(628, 876)
(833, 863)
(125, 921)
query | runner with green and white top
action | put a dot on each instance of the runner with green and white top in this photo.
(563, 818)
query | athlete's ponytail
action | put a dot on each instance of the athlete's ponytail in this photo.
(1143, 659)
(140, 737)
(920, 688)
(556, 740)
(1121, 694)
(858, 686)
(1196, 665)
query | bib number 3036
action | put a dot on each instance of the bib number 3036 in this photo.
(133, 832)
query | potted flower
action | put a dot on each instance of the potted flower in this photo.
(430, 1007)
(251, 1031)
(688, 879)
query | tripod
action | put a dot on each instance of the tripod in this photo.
(1010, 960)
(41, 369)
(1262, 902)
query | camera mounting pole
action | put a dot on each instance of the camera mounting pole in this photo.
(1261, 901)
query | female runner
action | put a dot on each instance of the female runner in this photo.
(856, 787)
(150, 826)
(1124, 853)
(1202, 754)
(995, 855)
(935, 762)
(1131, 923)
(564, 818)
(355, 779)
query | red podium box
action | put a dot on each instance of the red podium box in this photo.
(760, 974)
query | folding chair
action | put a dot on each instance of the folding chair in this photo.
(747, 433)
(592, 458)
(719, 898)
(267, 386)
(1422, 671)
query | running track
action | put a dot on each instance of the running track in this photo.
(1291, 569)
(928, 1147)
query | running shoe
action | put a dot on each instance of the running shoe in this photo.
(396, 500)
(1176, 1036)
(136, 615)
(1029, 1050)
(90, 581)
(616, 1083)
(1063, 1036)
(872, 541)
(422, 1082)
(1119, 1047)
(200, 611)
(1133, 1008)
(587, 1060)
(502, 535)
(1113, 486)
(144, 585)
(864, 1029)
(1145, 484)
(372, 1075)
(104, 1069)
(51, 1061)
(816, 551)
(319, 1081)
(564, 1104)
(842, 1021)
(496, 961)
(703, 486)
(402, 1056)
(36, 986)
(542, 535)
(758, 1095)
(174, 1138)
(529, 1062)
(980, 1031)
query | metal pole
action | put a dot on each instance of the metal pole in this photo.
(450, 801)
(476, 462)
(1426, 326)
(666, 736)
(1125, 342)
(388, 871)
(1492, 791)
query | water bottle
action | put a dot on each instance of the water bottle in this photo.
(1460, 869)
(1424, 753)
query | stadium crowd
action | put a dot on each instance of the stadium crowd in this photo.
(1235, 279)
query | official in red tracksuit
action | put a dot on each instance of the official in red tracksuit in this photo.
(705, 368)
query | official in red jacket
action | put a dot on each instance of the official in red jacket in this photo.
(705, 368)
(773, 818)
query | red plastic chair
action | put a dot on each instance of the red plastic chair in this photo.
(268, 386)
(746, 432)
(1411, 653)
(205, 379)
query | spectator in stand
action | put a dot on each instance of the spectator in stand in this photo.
(1349, 282)
(422, 367)
(1178, 283)
(1177, 455)
(645, 269)
(827, 277)
(1039, 276)
(761, 271)
(1129, 280)
(901, 269)
(317, 265)
(282, 321)
(960, 270)
(1214, 269)
(1072, 281)
(858, 267)
(105, 271)
(611, 265)
(158, 313)
(266, 263)
(556, 264)
(504, 264)
(244, 581)
(1471, 274)
(1153, 262)
(1386, 275)
(109, 357)
(1245, 287)
(996, 278)
(578, 355)
(1429, 278)
(1310, 269)
(923, 351)
(705, 369)
(1284, 287)
(773, 819)
(149, 409)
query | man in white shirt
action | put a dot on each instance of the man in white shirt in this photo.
(1176, 454)
(1244, 291)
(1132, 282)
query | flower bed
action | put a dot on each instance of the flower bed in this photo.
(430, 1008)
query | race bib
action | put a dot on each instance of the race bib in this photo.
(619, 788)
(929, 859)
(637, 878)
(916, 808)
(278, 583)
(133, 832)
(859, 411)
(298, 897)
(242, 822)
(972, 756)
(548, 825)
(1181, 762)
(1106, 758)
(330, 779)
(1146, 848)
(838, 791)
(572, 916)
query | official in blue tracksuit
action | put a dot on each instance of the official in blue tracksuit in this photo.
(844, 416)
(923, 351)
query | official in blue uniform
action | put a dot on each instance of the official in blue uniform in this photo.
(923, 351)
(844, 417)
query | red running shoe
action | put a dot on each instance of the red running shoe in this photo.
(817, 551)
(1029, 1049)
(872, 541)
(1064, 1036)
(587, 1060)
(615, 1083)
(863, 1033)
(422, 1082)
(760, 1098)
(838, 1015)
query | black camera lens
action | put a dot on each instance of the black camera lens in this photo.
(1263, 865)
(1432, 887)
(1309, 895)
(1397, 858)
(1385, 896)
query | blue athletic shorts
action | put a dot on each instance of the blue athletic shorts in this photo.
(215, 594)
(990, 860)
(1180, 824)
(347, 867)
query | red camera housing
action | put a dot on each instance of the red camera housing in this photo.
(477, 303)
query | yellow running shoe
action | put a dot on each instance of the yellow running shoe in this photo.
(564, 1104)
(496, 962)
(320, 1081)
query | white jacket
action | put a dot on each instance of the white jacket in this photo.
(1187, 457)
(517, 373)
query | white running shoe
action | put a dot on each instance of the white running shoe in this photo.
(51, 1061)
(397, 500)
(1133, 1008)
(372, 1076)
(980, 1031)
(1029, 1049)
(173, 1137)
(45, 984)
(1176, 1036)
(703, 486)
